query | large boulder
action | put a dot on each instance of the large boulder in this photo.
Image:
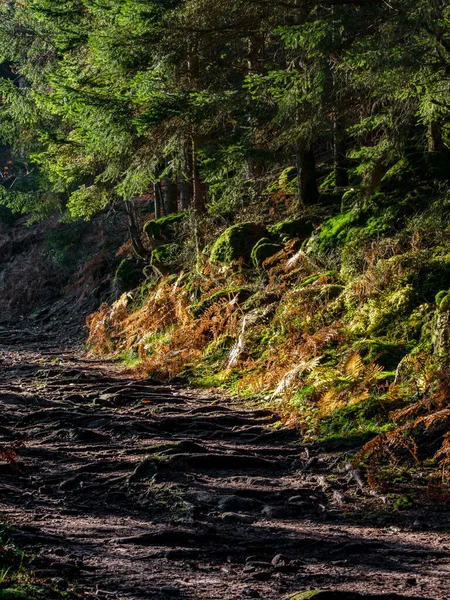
(162, 229)
(236, 242)
(127, 275)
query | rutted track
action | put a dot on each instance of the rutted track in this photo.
(142, 491)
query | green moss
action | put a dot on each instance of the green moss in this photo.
(237, 242)
(335, 230)
(127, 275)
(162, 229)
(403, 503)
(287, 230)
(440, 297)
(313, 278)
(263, 249)
(445, 303)
(385, 353)
(25, 592)
(218, 348)
(164, 255)
(331, 291)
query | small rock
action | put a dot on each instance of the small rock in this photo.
(296, 500)
(235, 503)
(170, 590)
(251, 593)
(296, 562)
(262, 575)
(411, 581)
(259, 564)
(274, 512)
(279, 559)
(65, 566)
(231, 517)
(60, 583)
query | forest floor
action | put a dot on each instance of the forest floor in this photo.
(131, 489)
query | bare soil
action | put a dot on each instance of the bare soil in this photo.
(131, 489)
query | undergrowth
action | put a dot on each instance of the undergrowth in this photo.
(346, 333)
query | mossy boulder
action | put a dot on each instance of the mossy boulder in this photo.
(163, 228)
(386, 315)
(263, 249)
(440, 297)
(290, 229)
(127, 275)
(237, 242)
(164, 255)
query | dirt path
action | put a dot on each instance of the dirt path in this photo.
(143, 491)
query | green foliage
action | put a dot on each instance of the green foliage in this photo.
(63, 244)
(404, 503)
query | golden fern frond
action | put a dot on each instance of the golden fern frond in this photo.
(353, 366)
(434, 418)
(360, 396)
(371, 373)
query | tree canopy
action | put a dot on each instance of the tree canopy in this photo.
(213, 100)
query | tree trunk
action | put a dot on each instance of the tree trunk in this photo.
(308, 193)
(159, 204)
(169, 193)
(185, 192)
(255, 58)
(340, 152)
(435, 142)
(134, 230)
(198, 187)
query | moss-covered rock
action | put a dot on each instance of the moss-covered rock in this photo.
(127, 275)
(162, 229)
(237, 242)
(164, 255)
(385, 315)
(290, 229)
(440, 297)
(263, 249)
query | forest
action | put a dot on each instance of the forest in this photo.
(245, 206)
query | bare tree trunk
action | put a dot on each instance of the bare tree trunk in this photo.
(340, 154)
(198, 187)
(134, 230)
(159, 204)
(256, 51)
(185, 192)
(435, 141)
(169, 192)
(306, 176)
